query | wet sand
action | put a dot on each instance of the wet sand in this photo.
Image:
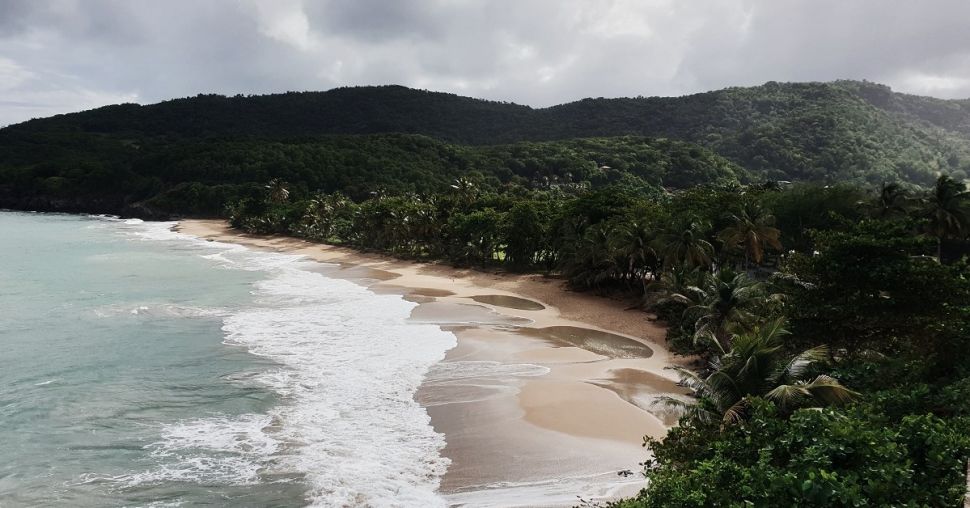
(548, 393)
(511, 302)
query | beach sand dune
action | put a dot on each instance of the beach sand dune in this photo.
(548, 393)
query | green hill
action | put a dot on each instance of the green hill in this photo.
(160, 177)
(823, 132)
(109, 158)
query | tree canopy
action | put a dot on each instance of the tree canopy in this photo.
(201, 149)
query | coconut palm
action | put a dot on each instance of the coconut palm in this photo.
(893, 201)
(673, 286)
(632, 240)
(752, 231)
(757, 365)
(278, 193)
(465, 188)
(423, 227)
(685, 246)
(724, 304)
(947, 210)
(592, 262)
(326, 217)
(312, 223)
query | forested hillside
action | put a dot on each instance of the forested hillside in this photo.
(193, 155)
(160, 178)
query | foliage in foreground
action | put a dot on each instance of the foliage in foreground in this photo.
(813, 458)
(896, 325)
(755, 364)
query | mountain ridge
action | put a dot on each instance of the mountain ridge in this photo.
(781, 130)
(829, 133)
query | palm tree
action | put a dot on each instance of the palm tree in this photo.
(465, 189)
(326, 217)
(278, 193)
(752, 231)
(685, 246)
(633, 240)
(723, 304)
(893, 201)
(313, 223)
(675, 285)
(591, 262)
(424, 228)
(757, 365)
(947, 210)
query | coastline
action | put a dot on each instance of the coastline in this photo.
(534, 403)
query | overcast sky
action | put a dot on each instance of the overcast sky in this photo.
(67, 55)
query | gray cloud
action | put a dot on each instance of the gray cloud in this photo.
(65, 55)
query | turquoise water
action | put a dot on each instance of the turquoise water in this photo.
(142, 368)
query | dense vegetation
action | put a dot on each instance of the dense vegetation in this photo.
(191, 156)
(200, 178)
(829, 317)
(830, 324)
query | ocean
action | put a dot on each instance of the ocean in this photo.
(142, 367)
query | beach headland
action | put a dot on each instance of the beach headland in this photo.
(548, 393)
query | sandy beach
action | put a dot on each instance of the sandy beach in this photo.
(547, 394)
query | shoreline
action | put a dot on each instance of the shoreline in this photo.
(546, 395)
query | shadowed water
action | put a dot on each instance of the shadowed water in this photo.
(604, 343)
(511, 302)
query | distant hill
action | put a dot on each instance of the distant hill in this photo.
(824, 132)
(159, 178)
(844, 131)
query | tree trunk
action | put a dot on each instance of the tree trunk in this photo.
(966, 496)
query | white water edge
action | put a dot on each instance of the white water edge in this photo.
(347, 366)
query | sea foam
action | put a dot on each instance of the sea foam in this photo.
(348, 363)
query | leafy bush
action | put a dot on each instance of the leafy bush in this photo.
(815, 458)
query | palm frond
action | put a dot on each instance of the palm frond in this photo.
(720, 383)
(735, 413)
(788, 397)
(690, 379)
(705, 337)
(828, 390)
(669, 402)
(797, 366)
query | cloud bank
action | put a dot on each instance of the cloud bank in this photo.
(67, 55)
